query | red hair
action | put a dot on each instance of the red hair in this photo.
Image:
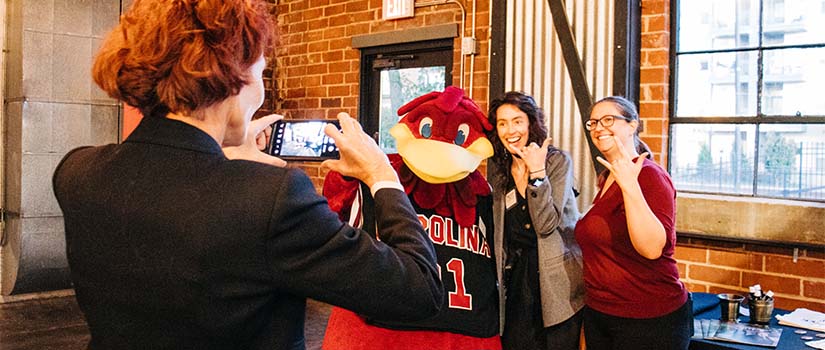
(182, 55)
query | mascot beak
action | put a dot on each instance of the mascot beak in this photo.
(439, 162)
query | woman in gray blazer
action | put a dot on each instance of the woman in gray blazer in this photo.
(538, 262)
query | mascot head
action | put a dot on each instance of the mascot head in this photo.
(441, 136)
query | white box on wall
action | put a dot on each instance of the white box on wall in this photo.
(395, 9)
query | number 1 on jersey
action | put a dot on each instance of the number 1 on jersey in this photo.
(459, 299)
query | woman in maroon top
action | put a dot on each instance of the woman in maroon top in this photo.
(633, 296)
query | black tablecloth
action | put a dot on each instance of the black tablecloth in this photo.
(706, 306)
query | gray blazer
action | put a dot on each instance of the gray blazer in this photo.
(554, 213)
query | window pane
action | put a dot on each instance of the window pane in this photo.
(713, 158)
(717, 24)
(720, 84)
(793, 82)
(792, 161)
(792, 22)
(399, 86)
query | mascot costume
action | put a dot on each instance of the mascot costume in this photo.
(441, 141)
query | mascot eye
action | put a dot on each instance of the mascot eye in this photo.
(461, 135)
(425, 128)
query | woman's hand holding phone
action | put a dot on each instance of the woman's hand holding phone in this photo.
(257, 136)
(360, 156)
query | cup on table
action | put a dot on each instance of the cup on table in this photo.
(729, 305)
(760, 310)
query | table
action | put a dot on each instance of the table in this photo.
(706, 306)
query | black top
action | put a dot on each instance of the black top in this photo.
(518, 227)
(173, 246)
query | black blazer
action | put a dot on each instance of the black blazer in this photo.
(173, 246)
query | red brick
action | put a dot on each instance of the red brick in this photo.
(296, 71)
(321, 22)
(333, 56)
(339, 67)
(330, 102)
(339, 91)
(318, 3)
(334, 33)
(813, 289)
(316, 69)
(340, 20)
(439, 18)
(650, 7)
(654, 143)
(350, 102)
(656, 23)
(357, 29)
(314, 80)
(297, 49)
(654, 92)
(655, 58)
(653, 75)
(355, 6)
(336, 44)
(812, 268)
(742, 261)
(778, 284)
(317, 91)
(682, 269)
(695, 287)
(719, 290)
(295, 93)
(334, 10)
(330, 79)
(308, 103)
(787, 303)
(655, 127)
(656, 110)
(318, 46)
(691, 254)
(714, 275)
(655, 40)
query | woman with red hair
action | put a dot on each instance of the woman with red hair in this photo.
(177, 243)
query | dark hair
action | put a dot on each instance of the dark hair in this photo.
(182, 55)
(501, 160)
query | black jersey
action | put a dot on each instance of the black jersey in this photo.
(467, 271)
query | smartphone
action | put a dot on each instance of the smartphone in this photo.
(302, 139)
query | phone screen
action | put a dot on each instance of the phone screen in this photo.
(302, 139)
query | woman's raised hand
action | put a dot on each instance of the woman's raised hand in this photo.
(360, 156)
(533, 155)
(624, 170)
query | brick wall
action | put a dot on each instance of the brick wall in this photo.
(708, 265)
(317, 70)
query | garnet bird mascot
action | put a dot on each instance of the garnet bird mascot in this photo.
(440, 143)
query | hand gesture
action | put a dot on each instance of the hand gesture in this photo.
(360, 156)
(257, 136)
(624, 170)
(532, 155)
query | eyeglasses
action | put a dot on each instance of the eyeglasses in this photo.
(606, 121)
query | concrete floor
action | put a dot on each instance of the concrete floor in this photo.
(57, 324)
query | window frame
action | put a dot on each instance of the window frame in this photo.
(757, 120)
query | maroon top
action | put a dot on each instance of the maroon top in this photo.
(618, 280)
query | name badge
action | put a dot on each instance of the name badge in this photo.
(510, 199)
